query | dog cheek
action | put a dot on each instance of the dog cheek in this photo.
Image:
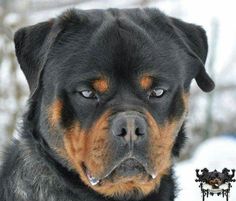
(161, 141)
(87, 147)
(98, 152)
(74, 143)
(75, 147)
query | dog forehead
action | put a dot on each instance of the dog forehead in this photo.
(116, 43)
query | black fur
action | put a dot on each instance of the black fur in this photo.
(59, 55)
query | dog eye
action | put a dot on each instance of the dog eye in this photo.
(88, 94)
(157, 93)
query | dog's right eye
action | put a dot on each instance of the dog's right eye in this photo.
(88, 94)
(157, 93)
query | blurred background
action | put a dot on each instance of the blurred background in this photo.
(211, 127)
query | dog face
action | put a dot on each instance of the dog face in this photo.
(110, 92)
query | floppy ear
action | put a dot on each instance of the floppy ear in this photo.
(194, 40)
(32, 45)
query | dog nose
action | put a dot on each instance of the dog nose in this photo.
(129, 127)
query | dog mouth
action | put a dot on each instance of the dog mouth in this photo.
(126, 169)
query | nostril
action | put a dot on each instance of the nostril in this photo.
(122, 133)
(138, 132)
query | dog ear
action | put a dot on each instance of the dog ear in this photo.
(32, 45)
(194, 39)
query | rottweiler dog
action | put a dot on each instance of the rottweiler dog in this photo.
(109, 94)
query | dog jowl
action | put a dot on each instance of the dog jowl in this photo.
(108, 99)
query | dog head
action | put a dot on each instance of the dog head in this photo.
(110, 89)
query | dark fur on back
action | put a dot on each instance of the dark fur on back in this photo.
(123, 44)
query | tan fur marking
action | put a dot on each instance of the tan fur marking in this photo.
(89, 147)
(146, 82)
(54, 112)
(101, 85)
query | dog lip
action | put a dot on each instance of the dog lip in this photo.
(97, 180)
(150, 172)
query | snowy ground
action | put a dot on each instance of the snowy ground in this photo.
(216, 153)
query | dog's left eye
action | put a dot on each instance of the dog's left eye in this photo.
(157, 93)
(88, 94)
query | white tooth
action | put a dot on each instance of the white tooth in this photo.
(93, 180)
(154, 176)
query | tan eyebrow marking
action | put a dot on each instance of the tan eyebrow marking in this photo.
(101, 85)
(146, 81)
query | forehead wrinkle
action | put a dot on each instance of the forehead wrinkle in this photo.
(78, 77)
(159, 73)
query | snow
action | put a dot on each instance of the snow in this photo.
(215, 153)
(11, 19)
